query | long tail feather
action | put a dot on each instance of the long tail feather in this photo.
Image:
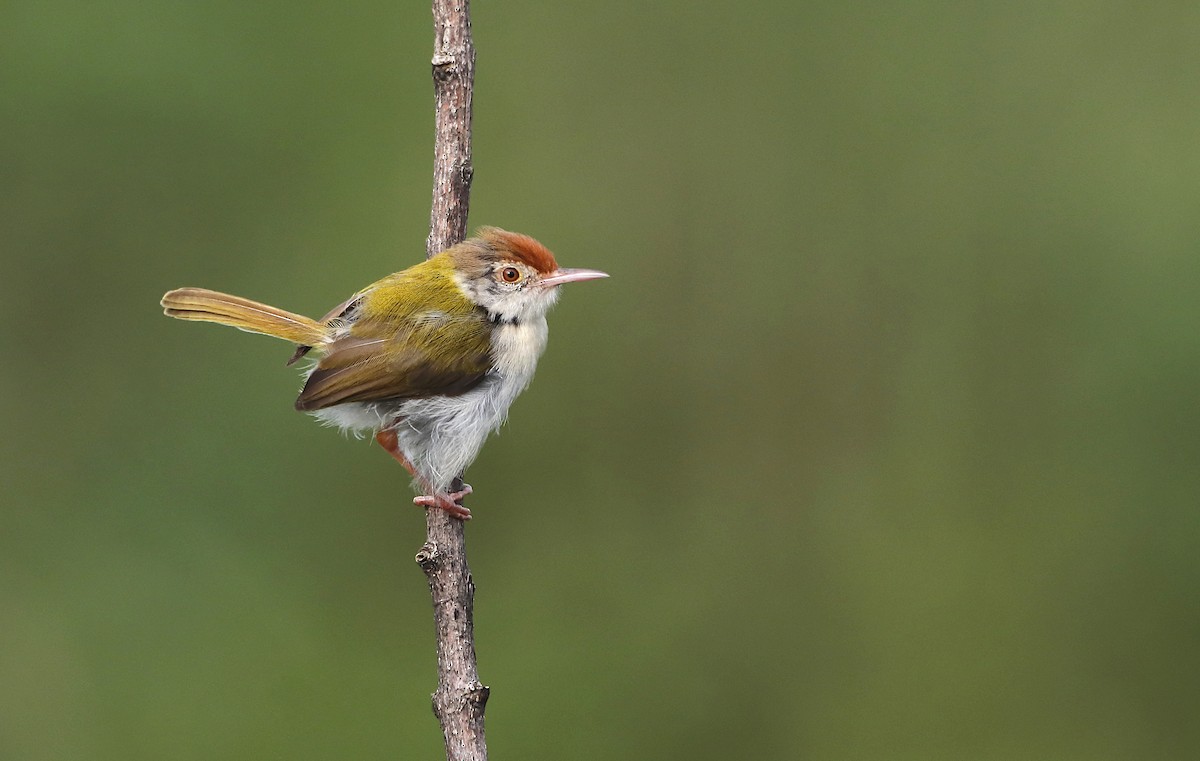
(204, 305)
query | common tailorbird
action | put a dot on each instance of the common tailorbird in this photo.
(428, 359)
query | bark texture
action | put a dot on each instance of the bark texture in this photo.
(453, 80)
(460, 698)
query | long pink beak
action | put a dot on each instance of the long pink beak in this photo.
(560, 276)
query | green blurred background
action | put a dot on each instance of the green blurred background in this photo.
(882, 442)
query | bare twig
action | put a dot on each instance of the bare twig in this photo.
(453, 80)
(460, 697)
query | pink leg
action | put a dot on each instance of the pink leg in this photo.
(449, 502)
(391, 444)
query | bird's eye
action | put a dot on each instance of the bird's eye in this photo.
(510, 274)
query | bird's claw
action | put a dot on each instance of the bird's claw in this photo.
(447, 502)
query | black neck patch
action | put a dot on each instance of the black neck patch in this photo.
(499, 319)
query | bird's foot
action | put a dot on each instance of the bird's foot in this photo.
(447, 502)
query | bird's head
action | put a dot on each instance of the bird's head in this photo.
(512, 276)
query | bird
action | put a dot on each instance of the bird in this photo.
(426, 360)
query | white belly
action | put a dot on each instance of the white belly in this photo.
(442, 435)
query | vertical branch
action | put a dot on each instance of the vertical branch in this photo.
(453, 80)
(460, 697)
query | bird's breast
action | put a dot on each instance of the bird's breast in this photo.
(516, 349)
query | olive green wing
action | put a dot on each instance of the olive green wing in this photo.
(401, 355)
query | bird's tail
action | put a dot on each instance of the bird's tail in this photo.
(204, 305)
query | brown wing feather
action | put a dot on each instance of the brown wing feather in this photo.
(339, 312)
(423, 355)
